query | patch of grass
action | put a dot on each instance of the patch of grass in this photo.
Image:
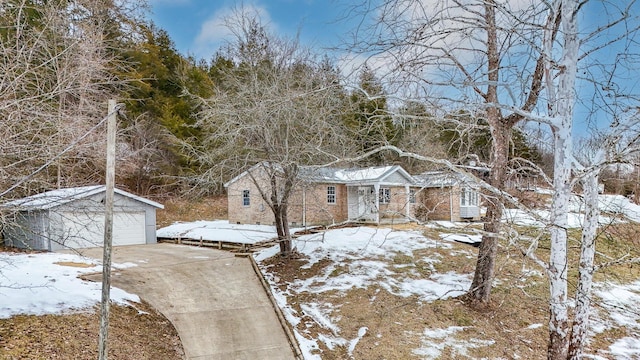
(431, 233)
(405, 226)
(462, 317)
(134, 333)
(450, 260)
(604, 339)
(616, 245)
(402, 259)
(339, 270)
(179, 209)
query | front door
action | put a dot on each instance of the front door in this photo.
(365, 201)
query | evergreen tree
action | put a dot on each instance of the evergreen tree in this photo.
(368, 120)
(419, 133)
(159, 115)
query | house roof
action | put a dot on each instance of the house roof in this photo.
(443, 178)
(351, 176)
(354, 175)
(54, 198)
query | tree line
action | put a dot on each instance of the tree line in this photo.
(64, 59)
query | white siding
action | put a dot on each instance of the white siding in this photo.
(86, 229)
(396, 178)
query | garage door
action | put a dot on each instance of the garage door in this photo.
(82, 230)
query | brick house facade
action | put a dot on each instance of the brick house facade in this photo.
(445, 195)
(376, 195)
(327, 196)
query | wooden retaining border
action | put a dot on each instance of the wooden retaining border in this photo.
(218, 244)
(293, 342)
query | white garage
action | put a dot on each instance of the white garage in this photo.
(73, 218)
(82, 230)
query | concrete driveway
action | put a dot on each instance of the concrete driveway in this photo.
(214, 299)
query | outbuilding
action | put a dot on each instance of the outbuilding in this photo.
(73, 218)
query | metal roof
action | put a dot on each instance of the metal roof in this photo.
(438, 179)
(339, 175)
(353, 175)
(53, 198)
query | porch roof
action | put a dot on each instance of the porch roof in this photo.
(356, 176)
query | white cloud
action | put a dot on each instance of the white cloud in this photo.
(427, 41)
(218, 29)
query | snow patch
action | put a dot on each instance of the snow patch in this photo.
(435, 341)
(219, 230)
(35, 284)
(621, 303)
(352, 344)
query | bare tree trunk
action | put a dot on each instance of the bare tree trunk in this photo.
(285, 243)
(487, 252)
(501, 136)
(586, 268)
(278, 201)
(282, 228)
(558, 320)
(561, 88)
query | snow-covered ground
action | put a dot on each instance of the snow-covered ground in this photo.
(369, 252)
(48, 283)
(619, 306)
(612, 207)
(43, 283)
(358, 246)
(218, 230)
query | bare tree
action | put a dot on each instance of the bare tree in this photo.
(275, 110)
(58, 62)
(470, 56)
(563, 62)
(499, 57)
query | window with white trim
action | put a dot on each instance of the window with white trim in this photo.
(246, 199)
(468, 197)
(384, 195)
(331, 194)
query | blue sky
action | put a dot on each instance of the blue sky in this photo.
(195, 25)
(196, 28)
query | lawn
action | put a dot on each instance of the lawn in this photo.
(378, 293)
(48, 312)
(354, 292)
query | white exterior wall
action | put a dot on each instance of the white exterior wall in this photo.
(28, 230)
(81, 223)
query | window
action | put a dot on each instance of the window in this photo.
(246, 200)
(468, 197)
(331, 194)
(412, 196)
(384, 195)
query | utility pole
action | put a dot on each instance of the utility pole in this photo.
(108, 230)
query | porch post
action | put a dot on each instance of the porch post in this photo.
(304, 206)
(376, 195)
(408, 193)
